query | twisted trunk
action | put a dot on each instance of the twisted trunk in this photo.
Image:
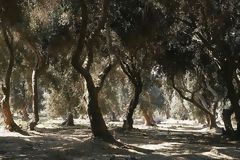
(235, 108)
(211, 116)
(227, 113)
(98, 125)
(228, 72)
(200, 105)
(128, 123)
(8, 118)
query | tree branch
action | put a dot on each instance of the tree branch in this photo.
(178, 90)
(9, 43)
(91, 42)
(103, 75)
(75, 61)
(192, 100)
(126, 70)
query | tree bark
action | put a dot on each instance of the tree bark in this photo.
(24, 113)
(211, 116)
(212, 121)
(35, 117)
(227, 113)
(69, 120)
(229, 69)
(98, 125)
(8, 118)
(128, 123)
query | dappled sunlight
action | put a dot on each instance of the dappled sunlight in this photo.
(180, 140)
(164, 141)
(161, 146)
(7, 133)
(215, 154)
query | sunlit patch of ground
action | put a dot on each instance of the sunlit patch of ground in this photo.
(171, 139)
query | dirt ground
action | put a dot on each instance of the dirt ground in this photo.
(178, 140)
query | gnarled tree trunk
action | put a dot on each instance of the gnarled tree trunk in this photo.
(201, 105)
(8, 118)
(211, 116)
(69, 120)
(227, 113)
(212, 121)
(98, 126)
(128, 122)
(229, 70)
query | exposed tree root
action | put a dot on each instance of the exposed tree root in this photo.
(15, 128)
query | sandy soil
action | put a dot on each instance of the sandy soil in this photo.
(169, 140)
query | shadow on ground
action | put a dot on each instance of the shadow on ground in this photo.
(64, 143)
(181, 145)
(68, 143)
